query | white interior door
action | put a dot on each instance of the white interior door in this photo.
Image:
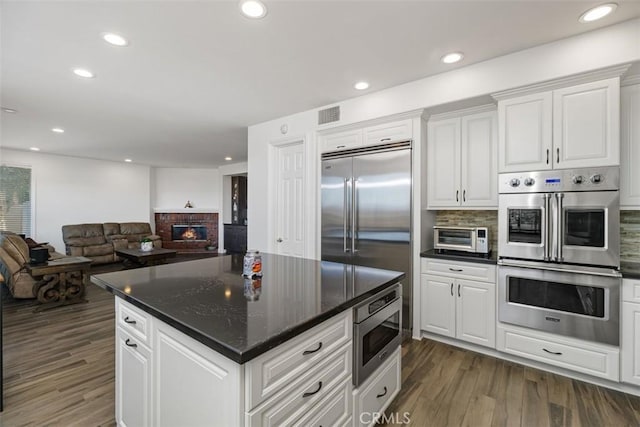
(290, 200)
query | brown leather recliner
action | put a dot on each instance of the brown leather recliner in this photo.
(14, 254)
(100, 241)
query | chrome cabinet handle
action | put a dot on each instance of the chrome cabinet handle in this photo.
(547, 156)
(452, 289)
(455, 269)
(385, 139)
(129, 321)
(464, 195)
(458, 290)
(457, 193)
(279, 240)
(304, 353)
(557, 155)
(130, 344)
(340, 146)
(553, 352)
(384, 393)
(311, 393)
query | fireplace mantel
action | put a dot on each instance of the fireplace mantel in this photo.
(184, 210)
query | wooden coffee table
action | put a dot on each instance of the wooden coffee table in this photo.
(136, 258)
(60, 282)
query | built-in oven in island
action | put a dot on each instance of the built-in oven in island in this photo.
(377, 331)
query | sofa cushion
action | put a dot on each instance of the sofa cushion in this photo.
(83, 234)
(96, 250)
(111, 229)
(15, 247)
(135, 228)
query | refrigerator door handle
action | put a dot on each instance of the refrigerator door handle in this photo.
(345, 215)
(354, 215)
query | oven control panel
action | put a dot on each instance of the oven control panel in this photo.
(587, 179)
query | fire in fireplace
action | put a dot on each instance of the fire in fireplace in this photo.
(194, 233)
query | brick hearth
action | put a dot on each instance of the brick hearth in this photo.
(164, 221)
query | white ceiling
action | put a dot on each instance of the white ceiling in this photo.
(197, 73)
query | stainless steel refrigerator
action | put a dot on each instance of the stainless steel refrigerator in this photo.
(366, 211)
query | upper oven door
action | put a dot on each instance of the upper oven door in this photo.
(524, 226)
(589, 231)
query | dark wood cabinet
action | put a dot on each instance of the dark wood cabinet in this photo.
(235, 238)
(238, 199)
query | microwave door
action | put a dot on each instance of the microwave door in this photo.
(590, 228)
(523, 221)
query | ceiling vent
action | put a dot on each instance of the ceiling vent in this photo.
(329, 115)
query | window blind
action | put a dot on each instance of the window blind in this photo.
(15, 199)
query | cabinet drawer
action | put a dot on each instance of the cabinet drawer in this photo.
(270, 372)
(376, 394)
(388, 132)
(133, 320)
(295, 402)
(631, 290)
(333, 410)
(588, 358)
(342, 140)
(462, 270)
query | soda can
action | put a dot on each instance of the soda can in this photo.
(252, 266)
(252, 289)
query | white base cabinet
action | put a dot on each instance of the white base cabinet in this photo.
(133, 381)
(630, 337)
(453, 305)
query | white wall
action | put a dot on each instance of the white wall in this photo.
(174, 186)
(613, 45)
(70, 190)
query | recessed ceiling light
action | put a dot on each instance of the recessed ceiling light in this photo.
(597, 12)
(34, 149)
(228, 158)
(115, 39)
(253, 9)
(452, 58)
(57, 130)
(361, 85)
(128, 160)
(9, 110)
(81, 72)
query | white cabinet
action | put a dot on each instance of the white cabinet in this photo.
(133, 381)
(462, 160)
(454, 306)
(400, 130)
(630, 146)
(341, 140)
(630, 336)
(570, 127)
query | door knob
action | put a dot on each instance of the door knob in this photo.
(279, 240)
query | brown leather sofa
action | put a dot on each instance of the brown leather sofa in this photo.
(100, 241)
(14, 254)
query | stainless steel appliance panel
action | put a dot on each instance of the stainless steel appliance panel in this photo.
(523, 226)
(336, 209)
(570, 303)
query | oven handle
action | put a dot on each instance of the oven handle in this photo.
(559, 226)
(545, 243)
(590, 271)
(371, 322)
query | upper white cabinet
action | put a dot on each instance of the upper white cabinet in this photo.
(630, 146)
(367, 136)
(462, 159)
(568, 127)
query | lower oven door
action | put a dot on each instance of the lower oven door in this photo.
(571, 303)
(375, 338)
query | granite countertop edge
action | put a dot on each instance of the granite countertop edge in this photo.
(259, 349)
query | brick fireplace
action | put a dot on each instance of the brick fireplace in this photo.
(187, 231)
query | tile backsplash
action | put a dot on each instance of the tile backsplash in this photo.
(472, 219)
(630, 236)
(629, 228)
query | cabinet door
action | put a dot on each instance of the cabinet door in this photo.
(443, 172)
(133, 386)
(479, 143)
(586, 125)
(438, 305)
(342, 140)
(193, 384)
(476, 312)
(388, 132)
(630, 343)
(524, 133)
(630, 146)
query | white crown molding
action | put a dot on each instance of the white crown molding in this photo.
(576, 79)
(464, 112)
(373, 122)
(630, 80)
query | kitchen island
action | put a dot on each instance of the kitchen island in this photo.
(197, 344)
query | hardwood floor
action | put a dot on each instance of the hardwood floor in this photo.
(59, 371)
(447, 386)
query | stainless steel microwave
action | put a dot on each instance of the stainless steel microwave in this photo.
(465, 239)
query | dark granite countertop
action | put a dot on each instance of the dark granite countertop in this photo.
(630, 270)
(210, 301)
(492, 259)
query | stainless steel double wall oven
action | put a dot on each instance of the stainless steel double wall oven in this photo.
(559, 250)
